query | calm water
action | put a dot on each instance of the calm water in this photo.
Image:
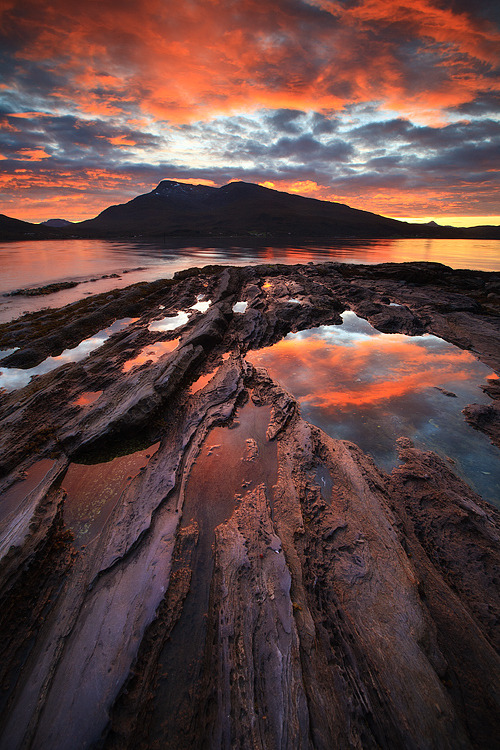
(371, 388)
(12, 378)
(29, 264)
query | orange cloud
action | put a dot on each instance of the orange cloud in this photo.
(195, 181)
(184, 60)
(77, 194)
(390, 201)
(29, 115)
(121, 140)
(32, 154)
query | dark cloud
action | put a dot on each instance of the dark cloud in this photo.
(473, 162)
(403, 134)
(485, 103)
(285, 120)
(306, 148)
(71, 139)
(322, 125)
(489, 10)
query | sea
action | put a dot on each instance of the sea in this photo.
(101, 265)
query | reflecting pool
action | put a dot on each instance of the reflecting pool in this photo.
(150, 353)
(368, 387)
(12, 378)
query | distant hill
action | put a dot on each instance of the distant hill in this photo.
(56, 223)
(14, 229)
(243, 209)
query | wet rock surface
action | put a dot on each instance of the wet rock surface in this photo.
(485, 418)
(256, 584)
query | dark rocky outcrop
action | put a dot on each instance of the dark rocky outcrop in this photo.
(230, 598)
(485, 417)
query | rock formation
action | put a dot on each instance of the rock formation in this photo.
(225, 596)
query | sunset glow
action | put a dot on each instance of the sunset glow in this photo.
(371, 388)
(386, 106)
(378, 368)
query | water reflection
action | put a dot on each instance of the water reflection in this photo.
(87, 398)
(201, 304)
(12, 378)
(371, 388)
(28, 264)
(151, 353)
(202, 381)
(93, 490)
(169, 323)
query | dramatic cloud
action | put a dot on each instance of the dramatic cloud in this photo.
(389, 105)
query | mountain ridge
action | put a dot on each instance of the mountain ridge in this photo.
(238, 209)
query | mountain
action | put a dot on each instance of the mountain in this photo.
(237, 209)
(243, 209)
(14, 229)
(56, 223)
(240, 209)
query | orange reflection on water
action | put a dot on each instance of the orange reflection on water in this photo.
(150, 353)
(371, 388)
(363, 373)
(202, 381)
(87, 398)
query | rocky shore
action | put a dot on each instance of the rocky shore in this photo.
(226, 595)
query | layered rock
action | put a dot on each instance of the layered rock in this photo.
(257, 583)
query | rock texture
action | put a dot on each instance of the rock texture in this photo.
(234, 598)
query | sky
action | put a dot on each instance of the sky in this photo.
(386, 105)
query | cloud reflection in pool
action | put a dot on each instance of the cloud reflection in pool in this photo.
(369, 387)
(12, 378)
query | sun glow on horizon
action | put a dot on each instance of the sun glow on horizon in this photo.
(73, 208)
(444, 220)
